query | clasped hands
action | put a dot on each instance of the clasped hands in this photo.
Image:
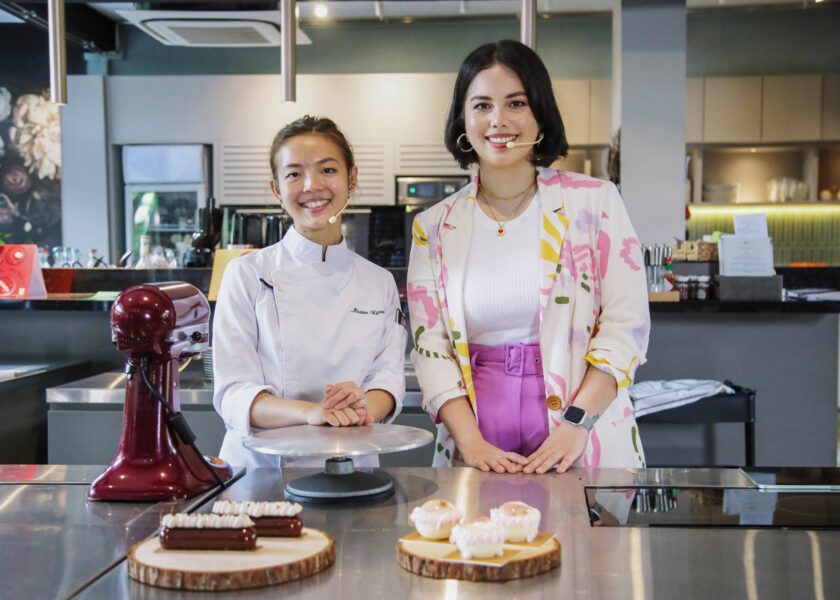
(344, 405)
(560, 449)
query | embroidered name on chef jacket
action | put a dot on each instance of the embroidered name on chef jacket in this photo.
(373, 312)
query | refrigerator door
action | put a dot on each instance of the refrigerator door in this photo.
(167, 213)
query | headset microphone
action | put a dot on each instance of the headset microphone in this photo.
(520, 144)
(334, 218)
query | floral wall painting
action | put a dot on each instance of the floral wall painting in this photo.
(30, 167)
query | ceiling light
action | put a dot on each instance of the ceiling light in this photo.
(321, 10)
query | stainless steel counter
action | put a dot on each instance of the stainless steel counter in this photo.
(53, 541)
(49, 474)
(109, 389)
(598, 562)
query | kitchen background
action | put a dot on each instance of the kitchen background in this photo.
(760, 106)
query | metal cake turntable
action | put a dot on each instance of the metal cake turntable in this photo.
(339, 481)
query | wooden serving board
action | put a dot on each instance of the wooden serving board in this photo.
(276, 560)
(442, 560)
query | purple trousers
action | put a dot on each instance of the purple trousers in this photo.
(510, 396)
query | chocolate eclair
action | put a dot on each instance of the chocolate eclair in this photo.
(272, 519)
(182, 531)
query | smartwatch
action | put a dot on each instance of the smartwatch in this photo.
(577, 416)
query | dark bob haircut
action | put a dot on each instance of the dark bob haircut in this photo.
(531, 71)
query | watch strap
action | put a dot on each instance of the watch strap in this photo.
(586, 422)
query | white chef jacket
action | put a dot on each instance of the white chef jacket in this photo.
(289, 323)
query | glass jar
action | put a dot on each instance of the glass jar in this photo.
(683, 287)
(704, 285)
(692, 287)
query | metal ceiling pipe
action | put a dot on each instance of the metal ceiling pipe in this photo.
(58, 51)
(288, 49)
(528, 24)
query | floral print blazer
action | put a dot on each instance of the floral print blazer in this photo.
(593, 306)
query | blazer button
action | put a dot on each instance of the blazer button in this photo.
(554, 402)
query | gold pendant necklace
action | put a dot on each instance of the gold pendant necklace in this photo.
(500, 231)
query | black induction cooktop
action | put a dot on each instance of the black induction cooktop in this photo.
(712, 507)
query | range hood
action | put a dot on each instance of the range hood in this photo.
(219, 29)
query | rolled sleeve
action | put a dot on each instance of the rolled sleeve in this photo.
(433, 403)
(236, 405)
(620, 343)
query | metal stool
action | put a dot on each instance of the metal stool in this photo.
(722, 408)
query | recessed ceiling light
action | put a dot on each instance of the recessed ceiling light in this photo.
(321, 10)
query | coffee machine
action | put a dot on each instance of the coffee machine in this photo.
(158, 326)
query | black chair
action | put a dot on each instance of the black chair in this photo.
(722, 408)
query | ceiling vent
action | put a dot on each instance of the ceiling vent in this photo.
(217, 29)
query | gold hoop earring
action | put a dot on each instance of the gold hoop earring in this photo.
(458, 143)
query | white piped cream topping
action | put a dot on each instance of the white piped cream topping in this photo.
(438, 513)
(477, 532)
(257, 509)
(478, 538)
(204, 521)
(515, 514)
(520, 521)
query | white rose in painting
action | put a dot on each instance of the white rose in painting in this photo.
(5, 103)
(36, 133)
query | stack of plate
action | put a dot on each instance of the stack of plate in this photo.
(207, 364)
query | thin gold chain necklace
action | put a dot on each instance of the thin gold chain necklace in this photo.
(523, 195)
(498, 198)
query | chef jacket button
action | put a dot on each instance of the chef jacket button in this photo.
(555, 402)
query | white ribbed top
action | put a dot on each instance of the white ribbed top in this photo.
(502, 286)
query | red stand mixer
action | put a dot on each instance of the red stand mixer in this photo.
(158, 326)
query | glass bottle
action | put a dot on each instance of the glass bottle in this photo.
(93, 259)
(144, 262)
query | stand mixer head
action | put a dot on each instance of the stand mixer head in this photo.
(158, 326)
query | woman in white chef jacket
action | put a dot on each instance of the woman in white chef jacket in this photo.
(306, 331)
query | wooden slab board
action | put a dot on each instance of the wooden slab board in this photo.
(436, 559)
(276, 560)
(672, 296)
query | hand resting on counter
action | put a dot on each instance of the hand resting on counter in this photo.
(345, 404)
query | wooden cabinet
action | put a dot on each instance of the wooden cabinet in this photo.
(831, 108)
(791, 108)
(600, 111)
(573, 100)
(732, 110)
(694, 110)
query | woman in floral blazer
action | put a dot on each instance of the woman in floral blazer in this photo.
(590, 310)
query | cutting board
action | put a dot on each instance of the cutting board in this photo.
(276, 560)
(440, 559)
